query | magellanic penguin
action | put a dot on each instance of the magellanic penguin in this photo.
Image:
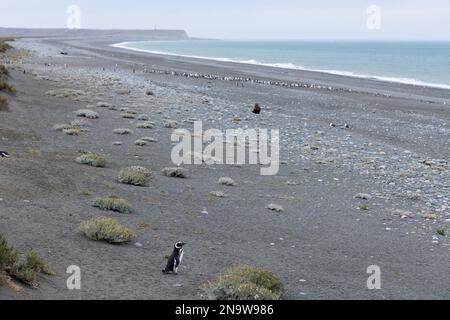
(4, 154)
(175, 259)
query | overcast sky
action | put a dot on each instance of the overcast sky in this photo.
(245, 19)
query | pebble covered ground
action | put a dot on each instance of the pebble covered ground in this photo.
(383, 164)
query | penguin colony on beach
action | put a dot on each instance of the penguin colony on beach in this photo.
(175, 259)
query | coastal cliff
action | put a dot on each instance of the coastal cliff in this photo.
(90, 33)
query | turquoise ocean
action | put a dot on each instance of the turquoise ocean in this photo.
(420, 63)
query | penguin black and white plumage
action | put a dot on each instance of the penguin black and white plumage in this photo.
(175, 259)
(4, 154)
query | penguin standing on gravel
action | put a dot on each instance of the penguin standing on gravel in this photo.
(4, 154)
(175, 259)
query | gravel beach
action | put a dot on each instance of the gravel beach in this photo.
(375, 192)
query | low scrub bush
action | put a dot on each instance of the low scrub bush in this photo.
(106, 229)
(112, 203)
(91, 159)
(138, 176)
(244, 283)
(26, 271)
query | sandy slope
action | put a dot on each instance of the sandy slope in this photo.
(320, 246)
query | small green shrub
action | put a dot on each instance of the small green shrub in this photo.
(92, 159)
(8, 256)
(112, 203)
(35, 262)
(26, 271)
(138, 176)
(24, 274)
(244, 283)
(106, 229)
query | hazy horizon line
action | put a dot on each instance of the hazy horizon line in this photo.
(232, 38)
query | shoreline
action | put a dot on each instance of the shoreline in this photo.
(290, 66)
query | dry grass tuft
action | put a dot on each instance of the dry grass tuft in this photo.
(106, 229)
(244, 283)
(138, 176)
(91, 159)
(112, 203)
(25, 271)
